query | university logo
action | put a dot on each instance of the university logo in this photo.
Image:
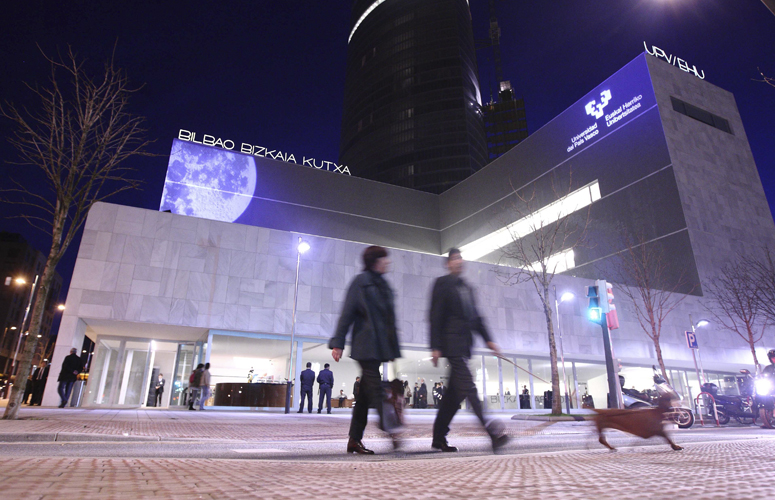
(596, 110)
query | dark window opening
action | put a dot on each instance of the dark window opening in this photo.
(700, 114)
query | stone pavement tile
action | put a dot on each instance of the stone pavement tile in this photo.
(245, 426)
(731, 469)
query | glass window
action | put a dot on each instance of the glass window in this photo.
(510, 389)
(593, 384)
(492, 383)
(234, 359)
(416, 368)
(542, 383)
(344, 371)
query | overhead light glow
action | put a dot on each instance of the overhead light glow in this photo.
(303, 247)
(496, 240)
(61, 307)
(702, 322)
(20, 281)
(557, 263)
(567, 296)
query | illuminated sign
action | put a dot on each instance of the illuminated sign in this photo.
(674, 60)
(261, 151)
(596, 110)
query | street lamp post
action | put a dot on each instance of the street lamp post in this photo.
(26, 313)
(301, 248)
(700, 324)
(565, 296)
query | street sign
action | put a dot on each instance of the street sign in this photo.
(691, 340)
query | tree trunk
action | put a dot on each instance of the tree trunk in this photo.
(557, 397)
(24, 363)
(661, 362)
(757, 368)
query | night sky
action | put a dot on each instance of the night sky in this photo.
(272, 73)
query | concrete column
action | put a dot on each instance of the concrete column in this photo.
(500, 384)
(300, 366)
(72, 331)
(530, 378)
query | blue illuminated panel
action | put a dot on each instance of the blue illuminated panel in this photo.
(616, 102)
(208, 182)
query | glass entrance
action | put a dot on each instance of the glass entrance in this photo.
(184, 365)
(130, 373)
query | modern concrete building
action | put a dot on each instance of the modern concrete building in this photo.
(412, 106)
(651, 149)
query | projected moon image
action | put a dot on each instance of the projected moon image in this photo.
(208, 182)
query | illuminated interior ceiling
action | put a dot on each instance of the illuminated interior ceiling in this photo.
(564, 260)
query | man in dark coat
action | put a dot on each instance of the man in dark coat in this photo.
(325, 383)
(368, 311)
(415, 395)
(422, 394)
(39, 379)
(159, 390)
(71, 367)
(306, 381)
(453, 318)
(356, 387)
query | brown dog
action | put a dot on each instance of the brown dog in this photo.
(645, 423)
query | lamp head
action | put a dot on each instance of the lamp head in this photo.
(61, 307)
(20, 281)
(567, 296)
(303, 247)
(702, 322)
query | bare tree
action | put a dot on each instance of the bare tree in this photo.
(542, 243)
(769, 80)
(78, 138)
(735, 306)
(763, 274)
(651, 286)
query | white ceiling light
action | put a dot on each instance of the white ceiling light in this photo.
(566, 205)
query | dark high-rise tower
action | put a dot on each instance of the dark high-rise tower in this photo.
(412, 107)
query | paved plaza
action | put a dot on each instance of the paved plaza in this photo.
(102, 454)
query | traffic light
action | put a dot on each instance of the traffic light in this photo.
(611, 317)
(594, 311)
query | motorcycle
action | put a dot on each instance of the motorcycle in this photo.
(765, 398)
(743, 408)
(683, 417)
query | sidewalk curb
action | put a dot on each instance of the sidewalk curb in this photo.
(71, 437)
(548, 418)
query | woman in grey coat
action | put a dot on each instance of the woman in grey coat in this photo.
(369, 310)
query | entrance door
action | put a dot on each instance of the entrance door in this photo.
(125, 371)
(184, 365)
(118, 373)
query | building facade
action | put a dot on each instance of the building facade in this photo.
(412, 106)
(214, 279)
(505, 122)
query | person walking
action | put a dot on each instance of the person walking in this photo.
(204, 386)
(325, 383)
(193, 385)
(356, 387)
(71, 367)
(453, 317)
(307, 381)
(368, 311)
(39, 383)
(159, 387)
